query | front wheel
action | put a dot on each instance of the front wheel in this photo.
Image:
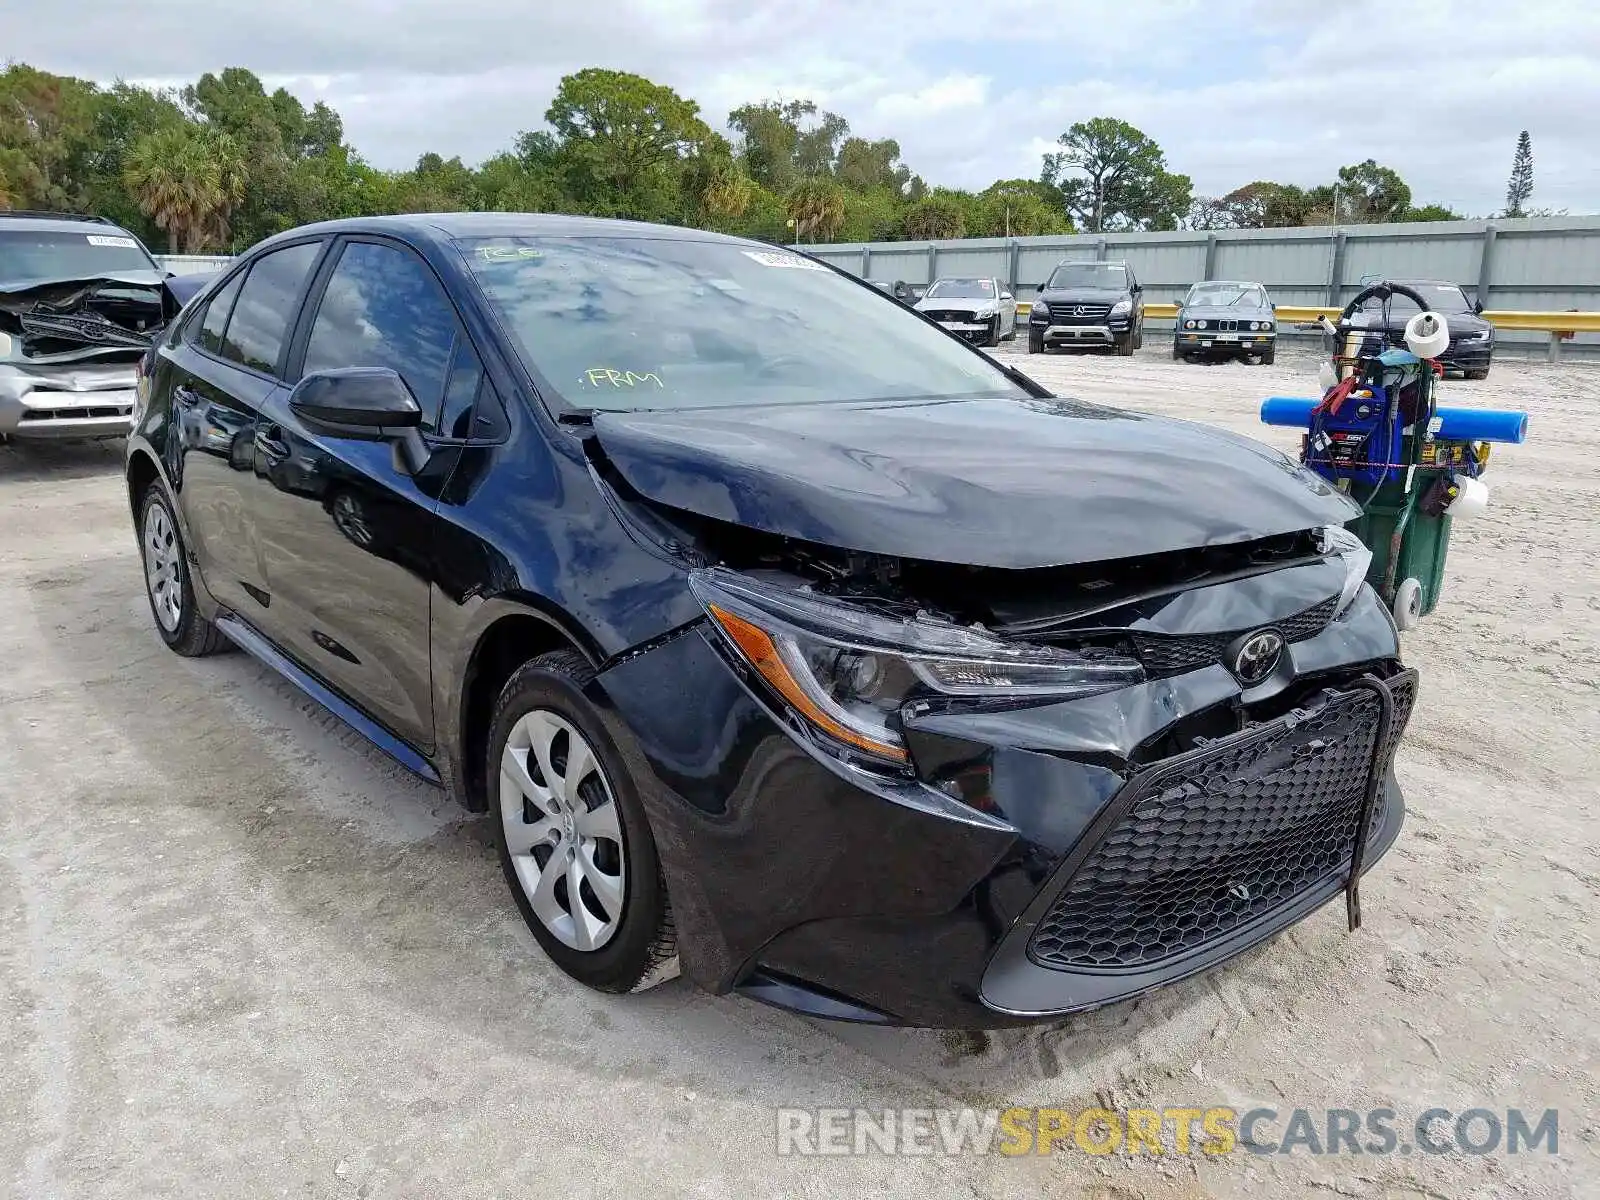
(167, 582)
(1480, 373)
(1035, 344)
(993, 337)
(574, 842)
(1123, 346)
(1177, 354)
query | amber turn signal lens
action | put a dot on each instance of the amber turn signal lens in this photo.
(758, 648)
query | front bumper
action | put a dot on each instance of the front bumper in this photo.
(79, 404)
(1205, 341)
(832, 890)
(1467, 356)
(1094, 331)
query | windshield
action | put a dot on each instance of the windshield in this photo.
(1441, 298)
(625, 323)
(1230, 295)
(38, 254)
(1089, 275)
(961, 289)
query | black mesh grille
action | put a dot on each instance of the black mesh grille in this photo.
(1163, 656)
(1216, 840)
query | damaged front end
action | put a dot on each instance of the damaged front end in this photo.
(69, 349)
(1105, 776)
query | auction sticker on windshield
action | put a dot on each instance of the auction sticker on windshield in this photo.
(99, 239)
(768, 259)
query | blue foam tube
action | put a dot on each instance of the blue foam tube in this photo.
(1457, 424)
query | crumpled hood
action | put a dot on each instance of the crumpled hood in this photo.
(72, 312)
(1013, 483)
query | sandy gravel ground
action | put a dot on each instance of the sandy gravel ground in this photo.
(241, 954)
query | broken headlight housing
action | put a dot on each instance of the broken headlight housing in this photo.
(1338, 542)
(845, 670)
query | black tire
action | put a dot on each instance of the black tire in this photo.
(1123, 346)
(1480, 373)
(1177, 354)
(992, 338)
(192, 636)
(1138, 336)
(644, 949)
(1035, 344)
(1270, 356)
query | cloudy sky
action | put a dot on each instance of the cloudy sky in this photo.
(1233, 90)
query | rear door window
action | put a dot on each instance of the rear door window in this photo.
(266, 307)
(383, 307)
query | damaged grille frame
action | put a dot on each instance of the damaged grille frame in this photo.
(1017, 983)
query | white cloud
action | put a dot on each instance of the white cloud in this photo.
(1271, 91)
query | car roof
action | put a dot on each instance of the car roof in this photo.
(52, 223)
(449, 226)
(1228, 283)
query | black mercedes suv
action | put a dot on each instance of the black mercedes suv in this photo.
(1088, 304)
(787, 638)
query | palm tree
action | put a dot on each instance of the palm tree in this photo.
(187, 180)
(816, 206)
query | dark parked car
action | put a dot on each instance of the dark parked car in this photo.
(1088, 304)
(785, 636)
(80, 300)
(1471, 337)
(1219, 319)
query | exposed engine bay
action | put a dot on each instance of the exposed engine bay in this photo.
(112, 316)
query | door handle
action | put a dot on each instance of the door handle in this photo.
(271, 446)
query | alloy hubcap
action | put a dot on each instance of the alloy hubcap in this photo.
(561, 826)
(161, 568)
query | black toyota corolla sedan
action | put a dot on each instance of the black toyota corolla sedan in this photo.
(785, 636)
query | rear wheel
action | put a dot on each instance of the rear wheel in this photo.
(167, 583)
(574, 842)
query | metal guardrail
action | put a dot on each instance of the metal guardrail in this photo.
(1549, 322)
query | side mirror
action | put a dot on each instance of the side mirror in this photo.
(1477, 306)
(367, 404)
(1006, 296)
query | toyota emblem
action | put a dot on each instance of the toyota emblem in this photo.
(1258, 656)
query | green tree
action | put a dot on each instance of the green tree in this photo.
(187, 180)
(1260, 205)
(817, 208)
(1520, 186)
(624, 141)
(768, 133)
(1431, 212)
(1368, 193)
(1111, 176)
(1018, 208)
(864, 165)
(940, 214)
(46, 126)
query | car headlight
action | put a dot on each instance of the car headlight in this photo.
(1481, 335)
(1267, 326)
(1202, 324)
(1188, 324)
(1337, 541)
(844, 672)
(1120, 307)
(1255, 325)
(1040, 309)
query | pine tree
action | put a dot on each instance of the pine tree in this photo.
(1520, 186)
